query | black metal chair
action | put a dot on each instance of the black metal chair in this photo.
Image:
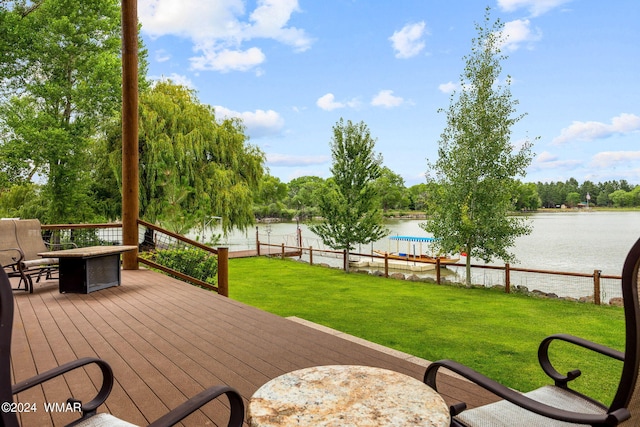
(89, 410)
(558, 405)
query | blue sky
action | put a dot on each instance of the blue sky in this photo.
(292, 68)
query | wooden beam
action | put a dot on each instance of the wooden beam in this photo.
(130, 202)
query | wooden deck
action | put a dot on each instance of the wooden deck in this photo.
(166, 341)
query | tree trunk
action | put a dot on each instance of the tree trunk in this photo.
(346, 260)
(468, 267)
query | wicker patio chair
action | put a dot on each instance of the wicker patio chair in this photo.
(558, 405)
(89, 416)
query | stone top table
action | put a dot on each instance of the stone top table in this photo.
(346, 396)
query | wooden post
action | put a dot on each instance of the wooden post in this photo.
(438, 270)
(223, 271)
(310, 255)
(130, 185)
(257, 241)
(282, 251)
(507, 279)
(344, 260)
(596, 287)
(386, 264)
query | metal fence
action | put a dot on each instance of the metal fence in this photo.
(150, 238)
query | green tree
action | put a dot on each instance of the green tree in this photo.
(589, 188)
(602, 199)
(192, 166)
(573, 199)
(527, 197)
(270, 196)
(476, 163)
(418, 196)
(390, 187)
(635, 196)
(621, 198)
(22, 201)
(61, 84)
(305, 194)
(350, 204)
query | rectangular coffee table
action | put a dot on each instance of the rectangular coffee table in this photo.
(84, 270)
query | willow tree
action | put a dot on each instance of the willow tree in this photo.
(192, 166)
(474, 175)
(350, 204)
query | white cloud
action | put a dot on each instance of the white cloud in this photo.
(588, 131)
(535, 7)
(611, 159)
(519, 32)
(162, 55)
(328, 102)
(218, 32)
(448, 87)
(259, 123)
(409, 41)
(548, 161)
(292, 160)
(178, 79)
(228, 60)
(385, 98)
(270, 19)
(545, 157)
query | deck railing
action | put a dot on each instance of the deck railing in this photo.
(592, 287)
(150, 238)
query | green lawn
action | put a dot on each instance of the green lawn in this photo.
(495, 333)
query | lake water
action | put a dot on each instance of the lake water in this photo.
(574, 241)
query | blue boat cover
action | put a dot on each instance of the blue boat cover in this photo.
(412, 239)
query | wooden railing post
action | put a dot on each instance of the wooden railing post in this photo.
(507, 279)
(258, 247)
(344, 260)
(438, 270)
(386, 264)
(596, 287)
(223, 271)
(310, 255)
(282, 251)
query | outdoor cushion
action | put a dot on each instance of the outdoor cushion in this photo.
(503, 413)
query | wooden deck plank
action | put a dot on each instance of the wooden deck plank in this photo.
(167, 340)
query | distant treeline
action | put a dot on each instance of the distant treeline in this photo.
(300, 196)
(571, 194)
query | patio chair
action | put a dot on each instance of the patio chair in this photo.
(557, 404)
(29, 236)
(89, 416)
(10, 253)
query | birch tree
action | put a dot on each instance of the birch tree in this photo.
(477, 163)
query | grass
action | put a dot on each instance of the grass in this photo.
(494, 333)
